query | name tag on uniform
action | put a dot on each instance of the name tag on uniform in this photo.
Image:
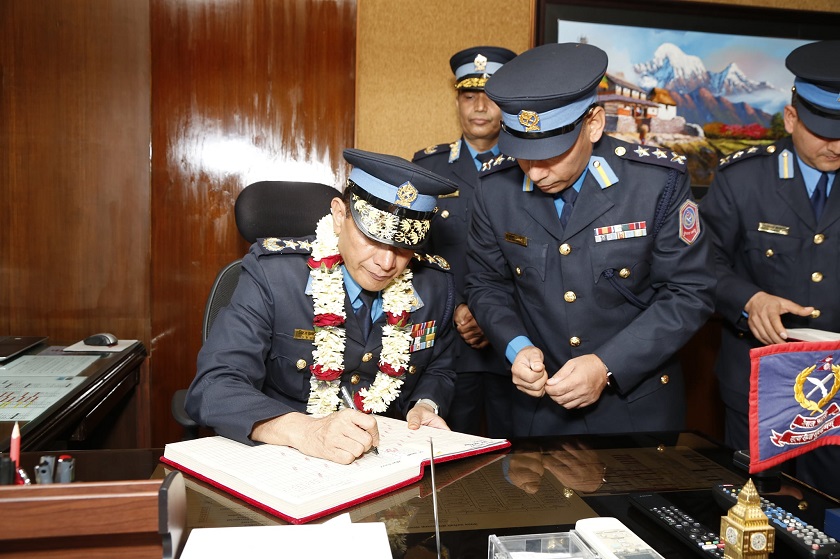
(773, 228)
(422, 336)
(516, 239)
(621, 231)
(304, 334)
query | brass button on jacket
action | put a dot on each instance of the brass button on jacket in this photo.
(769, 252)
(574, 341)
(569, 296)
(624, 272)
(412, 369)
(444, 214)
(819, 238)
(816, 277)
(664, 379)
(300, 364)
(565, 249)
(355, 379)
(367, 357)
(518, 271)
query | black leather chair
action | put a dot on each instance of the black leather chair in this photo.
(262, 209)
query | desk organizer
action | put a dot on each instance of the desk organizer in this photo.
(543, 546)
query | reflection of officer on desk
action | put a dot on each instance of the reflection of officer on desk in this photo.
(482, 373)
(353, 307)
(588, 265)
(776, 229)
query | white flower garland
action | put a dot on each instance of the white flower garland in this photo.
(329, 317)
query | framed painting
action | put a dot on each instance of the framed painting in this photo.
(701, 79)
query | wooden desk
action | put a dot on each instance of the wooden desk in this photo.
(540, 485)
(105, 411)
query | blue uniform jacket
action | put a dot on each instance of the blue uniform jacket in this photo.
(448, 238)
(527, 277)
(748, 207)
(255, 363)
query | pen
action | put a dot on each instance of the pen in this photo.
(348, 401)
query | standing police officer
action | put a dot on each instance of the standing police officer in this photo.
(353, 307)
(588, 265)
(483, 376)
(776, 229)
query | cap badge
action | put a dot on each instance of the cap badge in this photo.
(406, 194)
(530, 120)
(480, 63)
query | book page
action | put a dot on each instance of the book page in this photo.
(812, 335)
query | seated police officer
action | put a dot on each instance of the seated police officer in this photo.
(352, 307)
(587, 264)
(483, 379)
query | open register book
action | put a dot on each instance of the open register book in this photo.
(300, 488)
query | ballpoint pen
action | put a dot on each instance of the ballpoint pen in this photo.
(348, 401)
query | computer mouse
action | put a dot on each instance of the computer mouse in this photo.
(104, 338)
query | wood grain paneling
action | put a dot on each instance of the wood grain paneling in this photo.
(74, 179)
(241, 92)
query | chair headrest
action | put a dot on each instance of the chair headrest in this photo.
(281, 208)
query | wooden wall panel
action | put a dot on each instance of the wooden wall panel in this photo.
(74, 179)
(241, 91)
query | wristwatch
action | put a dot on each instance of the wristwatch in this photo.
(429, 403)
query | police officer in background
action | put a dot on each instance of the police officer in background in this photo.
(354, 307)
(775, 223)
(588, 265)
(483, 376)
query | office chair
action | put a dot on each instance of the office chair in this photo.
(262, 209)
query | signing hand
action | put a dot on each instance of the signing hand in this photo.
(765, 316)
(528, 371)
(469, 329)
(579, 382)
(340, 437)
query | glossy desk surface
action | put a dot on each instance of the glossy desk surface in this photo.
(539, 485)
(109, 378)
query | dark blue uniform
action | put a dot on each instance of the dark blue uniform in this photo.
(767, 239)
(448, 237)
(609, 284)
(255, 364)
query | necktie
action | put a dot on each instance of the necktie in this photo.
(569, 195)
(819, 196)
(483, 158)
(363, 312)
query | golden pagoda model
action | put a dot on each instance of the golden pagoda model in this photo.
(746, 529)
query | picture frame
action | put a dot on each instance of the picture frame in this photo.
(703, 80)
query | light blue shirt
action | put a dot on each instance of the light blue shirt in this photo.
(353, 289)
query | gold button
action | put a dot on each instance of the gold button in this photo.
(412, 369)
(664, 379)
(819, 238)
(355, 379)
(816, 277)
(771, 149)
(565, 249)
(815, 313)
(444, 214)
(574, 341)
(301, 364)
(569, 296)
(619, 151)
(367, 357)
(769, 252)
(624, 272)
(518, 271)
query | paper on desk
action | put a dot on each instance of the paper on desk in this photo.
(81, 346)
(366, 540)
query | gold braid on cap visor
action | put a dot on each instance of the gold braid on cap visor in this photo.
(471, 83)
(391, 224)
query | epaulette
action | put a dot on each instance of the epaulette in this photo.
(748, 153)
(273, 245)
(431, 150)
(432, 261)
(497, 164)
(653, 154)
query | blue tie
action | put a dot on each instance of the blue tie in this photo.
(363, 312)
(569, 196)
(818, 198)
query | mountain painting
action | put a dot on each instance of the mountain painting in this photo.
(700, 94)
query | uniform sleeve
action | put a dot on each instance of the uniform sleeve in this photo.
(226, 392)
(683, 280)
(489, 289)
(721, 213)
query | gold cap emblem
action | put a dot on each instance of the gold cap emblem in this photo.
(530, 120)
(406, 194)
(480, 63)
